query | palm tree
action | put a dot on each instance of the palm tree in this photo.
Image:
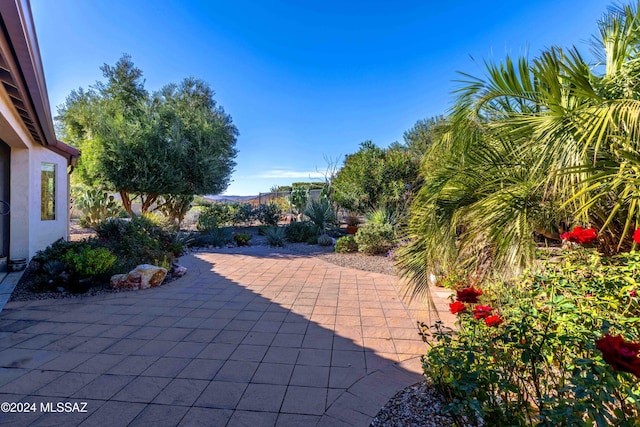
(532, 147)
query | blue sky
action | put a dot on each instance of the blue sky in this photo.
(305, 82)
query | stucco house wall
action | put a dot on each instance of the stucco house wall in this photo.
(26, 127)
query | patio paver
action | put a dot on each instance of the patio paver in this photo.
(247, 337)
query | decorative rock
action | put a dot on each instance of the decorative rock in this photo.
(178, 271)
(142, 277)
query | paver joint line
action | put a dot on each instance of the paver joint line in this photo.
(245, 336)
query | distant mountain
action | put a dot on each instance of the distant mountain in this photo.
(225, 198)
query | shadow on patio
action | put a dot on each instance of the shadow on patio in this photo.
(245, 338)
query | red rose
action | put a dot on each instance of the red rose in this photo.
(636, 235)
(468, 295)
(620, 354)
(492, 320)
(482, 311)
(580, 235)
(457, 307)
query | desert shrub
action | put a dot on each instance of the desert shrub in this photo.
(215, 237)
(242, 239)
(275, 236)
(136, 241)
(312, 240)
(97, 206)
(553, 348)
(321, 214)
(243, 213)
(269, 214)
(325, 240)
(373, 239)
(214, 216)
(86, 261)
(55, 251)
(346, 244)
(299, 231)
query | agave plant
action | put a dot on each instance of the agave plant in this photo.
(320, 214)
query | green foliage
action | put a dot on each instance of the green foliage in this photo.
(346, 244)
(312, 240)
(299, 198)
(139, 240)
(214, 216)
(373, 239)
(86, 261)
(296, 232)
(269, 214)
(423, 135)
(541, 366)
(325, 240)
(174, 143)
(243, 213)
(535, 144)
(97, 206)
(321, 214)
(274, 235)
(242, 239)
(55, 251)
(216, 237)
(374, 177)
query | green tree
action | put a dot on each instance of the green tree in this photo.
(423, 134)
(161, 149)
(374, 177)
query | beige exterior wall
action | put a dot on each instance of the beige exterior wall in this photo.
(28, 233)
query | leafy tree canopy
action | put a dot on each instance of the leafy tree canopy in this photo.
(162, 148)
(374, 177)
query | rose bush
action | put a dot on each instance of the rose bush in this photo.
(580, 235)
(552, 356)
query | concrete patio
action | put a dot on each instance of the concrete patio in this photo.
(246, 338)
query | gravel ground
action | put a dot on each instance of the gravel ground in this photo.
(418, 405)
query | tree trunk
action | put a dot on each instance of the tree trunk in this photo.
(147, 202)
(126, 202)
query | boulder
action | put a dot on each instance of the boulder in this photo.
(142, 277)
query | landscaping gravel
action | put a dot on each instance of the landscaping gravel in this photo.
(417, 405)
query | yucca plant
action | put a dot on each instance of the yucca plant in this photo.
(321, 214)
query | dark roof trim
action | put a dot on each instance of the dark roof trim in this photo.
(18, 22)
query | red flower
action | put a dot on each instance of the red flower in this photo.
(620, 354)
(457, 307)
(468, 295)
(482, 312)
(580, 235)
(636, 235)
(492, 320)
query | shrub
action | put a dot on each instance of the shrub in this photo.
(87, 261)
(346, 244)
(243, 213)
(312, 240)
(321, 215)
(299, 231)
(325, 240)
(275, 236)
(269, 214)
(242, 239)
(214, 216)
(532, 352)
(373, 239)
(216, 237)
(136, 241)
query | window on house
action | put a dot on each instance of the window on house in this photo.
(48, 191)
